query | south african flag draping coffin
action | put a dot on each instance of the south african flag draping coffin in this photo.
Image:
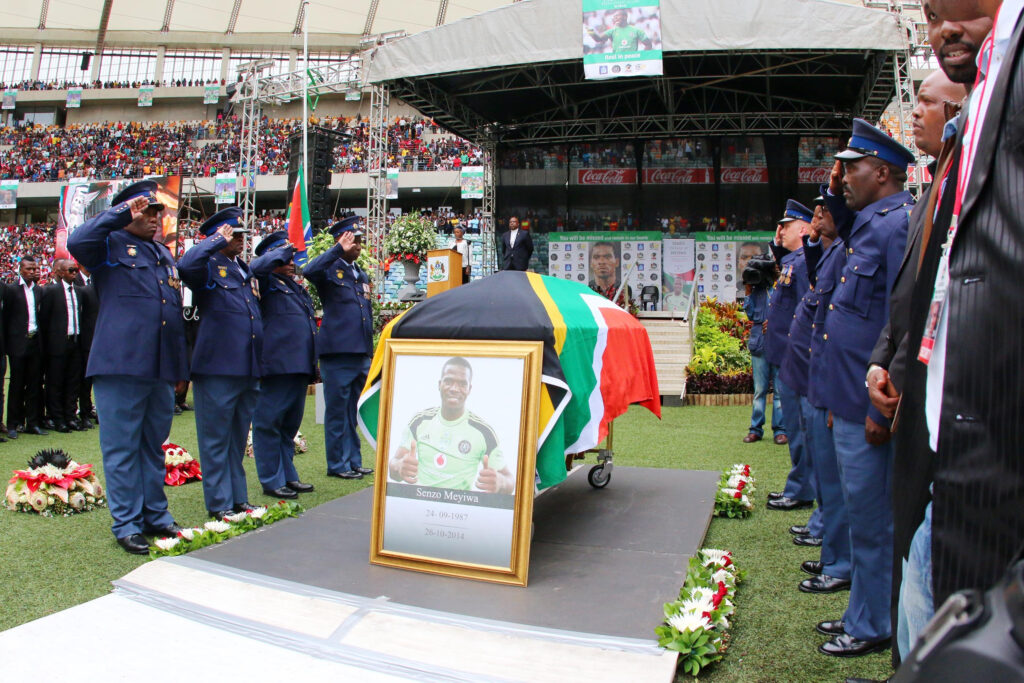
(597, 357)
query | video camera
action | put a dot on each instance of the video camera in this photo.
(761, 271)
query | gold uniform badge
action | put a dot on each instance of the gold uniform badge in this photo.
(340, 274)
(222, 271)
(132, 250)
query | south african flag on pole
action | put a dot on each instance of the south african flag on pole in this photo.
(300, 228)
(597, 357)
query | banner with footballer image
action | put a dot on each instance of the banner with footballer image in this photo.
(621, 38)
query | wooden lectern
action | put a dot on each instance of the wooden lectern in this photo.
(444, 270)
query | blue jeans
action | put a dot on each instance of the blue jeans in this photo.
(799, 485)
(765, 375)
(866, 475)
(916, 604)
(344, 375)
(135, 419)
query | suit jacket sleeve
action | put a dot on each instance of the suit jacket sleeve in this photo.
(194, 266)
(316, 270)
(529, 249)
(88, 242)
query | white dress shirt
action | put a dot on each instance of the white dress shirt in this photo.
(512, 234)
(29, 289)
(71, 304)
(463, 248)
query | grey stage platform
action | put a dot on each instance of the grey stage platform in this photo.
(602, 561)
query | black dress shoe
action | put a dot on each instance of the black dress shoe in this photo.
(169, 531)
(136, 544)
(12, 434)
(93, 416)
(807, 541)
(823, 583)
(62, 427)
(845, 645)
(243, 507)
(184, 406)
(784, 503)
(47, 424)
(774, 495)
(77, 426)
(351, 474)
(3, 437)
(177, 410)
(284, 492)
(220, 514)
(299, 487)
(812, 567)
(798, 530)
(364, 470)
(86, 423)
(38, 431)
(21, 428)
(831, 628)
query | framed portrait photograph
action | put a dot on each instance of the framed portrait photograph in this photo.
(456, 457)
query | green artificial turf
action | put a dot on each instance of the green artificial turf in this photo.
(48, 564)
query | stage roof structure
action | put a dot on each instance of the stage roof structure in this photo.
(514, 74)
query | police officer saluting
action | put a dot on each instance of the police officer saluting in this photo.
(289, 365)
(871, 217)
(345, 343)
(227, 359)
(138, 354)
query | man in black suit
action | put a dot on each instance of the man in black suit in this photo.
(90, 311)
(966, 318)
(60, 314)
(24, 353)
(516, 246)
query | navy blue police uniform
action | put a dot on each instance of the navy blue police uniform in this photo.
(137, 354)
(827, 265)
(344, 345)
(874, 239)
(226, 361)
(288, 367)
(789, 290)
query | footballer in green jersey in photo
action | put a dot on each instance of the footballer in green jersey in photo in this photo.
(623, 37)
(448, 446)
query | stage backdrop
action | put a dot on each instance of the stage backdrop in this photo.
(603, 259)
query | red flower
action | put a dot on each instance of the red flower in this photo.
(741, 486)
(738, 495)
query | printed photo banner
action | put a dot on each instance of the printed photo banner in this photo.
(146, 96)
(10, 97)
(224, 188)
(621, 38)
(8, 194)
(720, 260)
(81, 199)
(601, 260)
(392, 192)
(471, 181)
(74, 100)
(211, 94)
(678, 273)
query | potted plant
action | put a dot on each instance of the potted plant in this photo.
(408, 240)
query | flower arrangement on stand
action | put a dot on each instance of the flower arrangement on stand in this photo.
(409, 238)
(218, 530)
(735, 493)
(696, 623)
(179, 465)
(54, 484)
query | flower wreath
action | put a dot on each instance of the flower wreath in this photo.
(179, 465)
(54, 484)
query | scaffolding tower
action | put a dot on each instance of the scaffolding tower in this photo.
(487, 229)
(377, 181)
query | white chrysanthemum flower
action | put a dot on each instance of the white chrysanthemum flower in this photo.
(166, 543)
(51, 472)
(258, 512)
(701, 593)
(237, 517)
(714, 556)
(696, 606)
(725, 576)
(189, 534)
(688, 622)
(736, 479)
(217, 526)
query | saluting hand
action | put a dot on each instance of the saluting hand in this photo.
(226, 231)
(138, 207)
(835, 180)
(346, 240)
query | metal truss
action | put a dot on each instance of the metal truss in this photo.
(377, 181)
(331, 78)
(489, 210)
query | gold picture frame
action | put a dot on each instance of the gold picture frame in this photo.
(449, 497)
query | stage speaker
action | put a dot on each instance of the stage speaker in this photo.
(321, 159)
(86, 58)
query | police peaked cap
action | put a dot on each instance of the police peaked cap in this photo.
(795, 211)
(345, 225)
(230, 216)
(271, 241)
(143, 188)
(868, 141)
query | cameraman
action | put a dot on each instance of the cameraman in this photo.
(758, 277)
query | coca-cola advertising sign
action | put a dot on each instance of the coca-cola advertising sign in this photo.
(815, 176)
(678, 176)
(744, 176)
(606, 176)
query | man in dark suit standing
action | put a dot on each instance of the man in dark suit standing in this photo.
(965, 318)
(21, 330)
(60, 312)
(90, 311)
(516, 247)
